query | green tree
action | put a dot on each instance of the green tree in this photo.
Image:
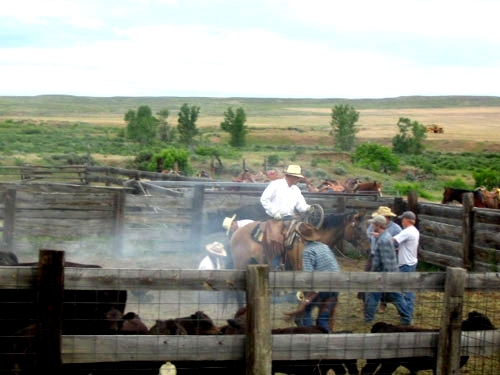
(141, 125)
(166, 132)
(344, 118)
(234, 124)
(376, 158)
(486, 177)
(410, 138)
(187, 123)
(171, 158)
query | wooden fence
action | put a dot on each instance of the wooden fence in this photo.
(184, 212)
(259, 349)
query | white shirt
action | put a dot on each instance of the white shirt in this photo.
(279, 197)
(408, 245)
(207, 264)
(242, 223)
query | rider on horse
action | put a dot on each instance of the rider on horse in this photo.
(281, 199)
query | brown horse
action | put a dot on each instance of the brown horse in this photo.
(246, 250)
(451, 194)
(373, 187)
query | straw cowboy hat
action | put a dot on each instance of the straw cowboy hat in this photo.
(384, 211)
(294, 170)
(226, 224)
(216, 248)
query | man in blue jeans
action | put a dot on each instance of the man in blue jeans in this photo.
(407, 242)
(384, 260)
(318, 257)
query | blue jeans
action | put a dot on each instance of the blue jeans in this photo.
(372, 300)
(409, 296)
(323, 319)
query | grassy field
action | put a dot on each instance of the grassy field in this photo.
(296, 130)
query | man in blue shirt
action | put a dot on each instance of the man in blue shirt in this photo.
(384, 260)
(318, 257)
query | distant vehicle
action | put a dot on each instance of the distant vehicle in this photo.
(434, 129)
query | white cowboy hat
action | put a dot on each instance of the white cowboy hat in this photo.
(226, 224)
(216, 248)
(294, 170)
(384, 211)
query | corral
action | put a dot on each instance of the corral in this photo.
(101, 223)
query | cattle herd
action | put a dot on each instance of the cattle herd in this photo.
(21, 355)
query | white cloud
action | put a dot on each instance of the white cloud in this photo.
(133, 55)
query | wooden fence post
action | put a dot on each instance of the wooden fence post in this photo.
(399, 205)
(448, 354)
(48, 358)
(467, 230)
(197, 217)
(258, 344)
(9, 220)
(412, 201)
(119, 215)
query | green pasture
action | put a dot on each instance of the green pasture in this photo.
(57, 130)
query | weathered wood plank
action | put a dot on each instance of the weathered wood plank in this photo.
(88, 349)
(431, 227)
(486, 255)
(487, 237)
(440, 246)
(483, 281)
(56, 214)
(439, 259)
(441, 210)
(61, 228)
(486, 215)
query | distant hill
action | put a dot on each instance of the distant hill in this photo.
(51, 105)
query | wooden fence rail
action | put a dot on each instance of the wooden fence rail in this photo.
(260, 347)
(184, 212)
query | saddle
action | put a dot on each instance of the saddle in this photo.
(276, 238)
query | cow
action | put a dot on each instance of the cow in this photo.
(475, 321)
(237, 325)
(128, 324)
(198, 323)
(84, 311)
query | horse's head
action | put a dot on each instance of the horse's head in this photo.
(355, 231)
(447, 195)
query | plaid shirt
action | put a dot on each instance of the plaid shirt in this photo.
(318, 256)
(384, 256)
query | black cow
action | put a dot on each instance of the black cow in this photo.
(237, 325)
(475, 321)
(198, 323)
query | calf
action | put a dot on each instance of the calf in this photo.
(238, 324)
(475, 321)
(198, 323)
(128, 324)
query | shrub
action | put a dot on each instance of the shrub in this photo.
(376, 158)
(405, 188)
(170, 158)
(273, 159)
(486, 177)
(457, 183)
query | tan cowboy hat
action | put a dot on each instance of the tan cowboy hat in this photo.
(384, 211)
(216, 248)
(226, 224)
(294, 170)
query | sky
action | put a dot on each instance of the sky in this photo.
(349, 49)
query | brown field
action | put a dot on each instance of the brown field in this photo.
(474, 129)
